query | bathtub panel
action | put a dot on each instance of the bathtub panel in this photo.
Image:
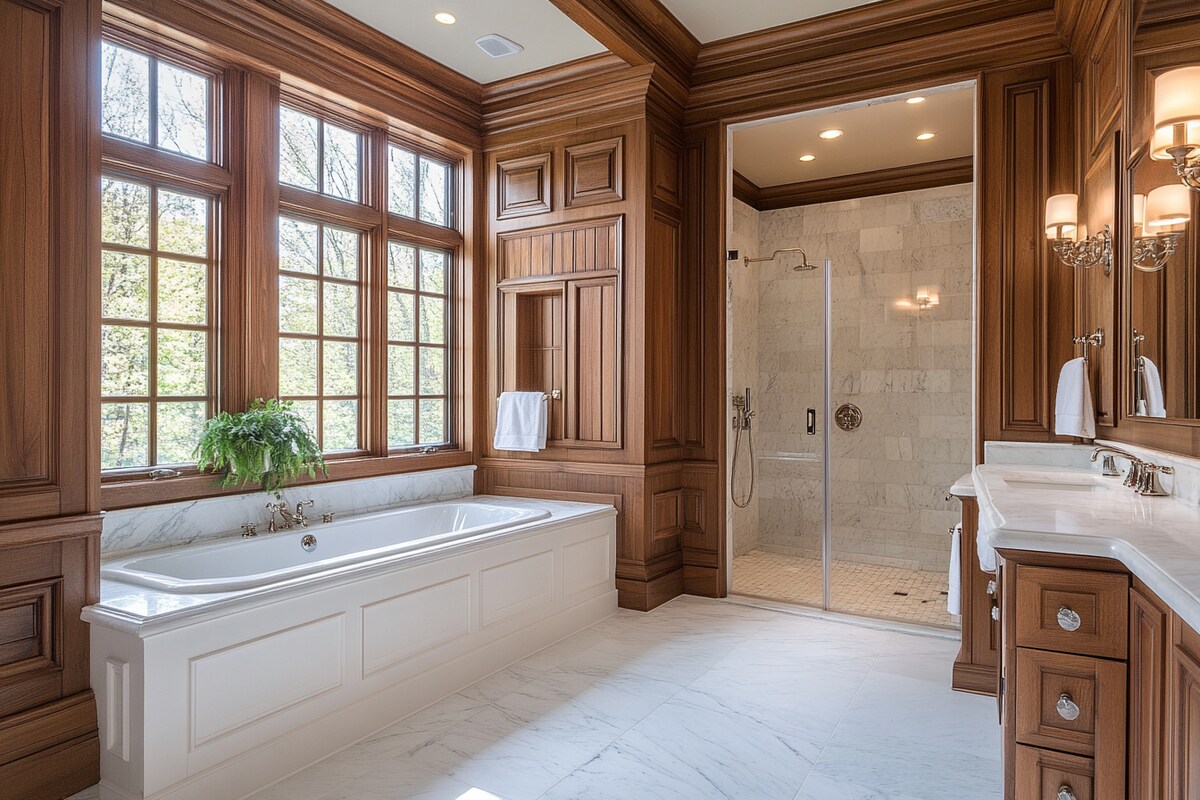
(587, 565)
(521, 585)
(415, 623)
(234, 687)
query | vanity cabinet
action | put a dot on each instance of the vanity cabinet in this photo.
(975, 666)
(1100, 684)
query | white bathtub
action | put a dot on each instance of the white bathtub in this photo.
(221, 668)
(270, 558)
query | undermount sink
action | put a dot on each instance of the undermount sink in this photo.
(1051, 486)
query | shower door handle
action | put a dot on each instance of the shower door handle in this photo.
(812, 422)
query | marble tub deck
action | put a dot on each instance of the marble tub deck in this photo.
(697, 699)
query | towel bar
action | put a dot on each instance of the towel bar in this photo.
(555, 394)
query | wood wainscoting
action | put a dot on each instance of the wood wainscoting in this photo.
(590, 299)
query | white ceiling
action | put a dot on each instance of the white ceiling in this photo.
(547, 35)
(879, 134)
(709, 20)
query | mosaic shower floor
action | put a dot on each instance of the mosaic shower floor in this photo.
(868, 589)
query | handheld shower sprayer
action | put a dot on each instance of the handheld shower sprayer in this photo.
(742, 415)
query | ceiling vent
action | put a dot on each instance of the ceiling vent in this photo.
(497, 46)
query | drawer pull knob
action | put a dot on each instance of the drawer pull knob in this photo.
(991, 588)
(996, 613)
(1067, 709)
(1065, 793)
(1068, 620)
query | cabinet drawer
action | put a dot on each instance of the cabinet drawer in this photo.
(1067, 702)
(1073, 611)
(1046, 775)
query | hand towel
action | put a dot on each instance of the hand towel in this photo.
(1073, 412)
(1152, 389)
(521, 422)
(985, 552)
(954, 595)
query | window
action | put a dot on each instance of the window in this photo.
(319, 156)
(156, 335)
(419, 187)
(158, 260)
(319, 334)
(147, 100)
(418, 311)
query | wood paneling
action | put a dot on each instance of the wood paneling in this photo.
(1099, 599)
(1097, 688)
(523, 186)
(1183, 713)
(1149, 638)
(594, 402)
(594, 172)
(907, 178)
(664, 330)
(1025, 297)
(975, 666)
(568, 249)
(1043, 773)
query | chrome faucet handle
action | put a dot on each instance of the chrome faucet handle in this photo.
(1149, 486)
(302, 520)
(1133, 478)
(273, 508)
(1110, 466)
(249, 530)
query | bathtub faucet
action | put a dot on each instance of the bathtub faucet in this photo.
(290, 518)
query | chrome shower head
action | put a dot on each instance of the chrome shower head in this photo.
(803, 267)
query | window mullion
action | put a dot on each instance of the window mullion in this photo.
(374, 298)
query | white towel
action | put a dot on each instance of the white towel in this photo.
(1152, 390)
(985, 552)
(954, 596)
(1073, 412)
(521, 422)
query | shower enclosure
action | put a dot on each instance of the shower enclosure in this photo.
(860, 377)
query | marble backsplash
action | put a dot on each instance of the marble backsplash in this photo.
(172, 524)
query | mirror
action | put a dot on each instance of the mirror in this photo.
(1163, 266)
(1164, 293)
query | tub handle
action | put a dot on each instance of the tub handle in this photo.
(327, 518)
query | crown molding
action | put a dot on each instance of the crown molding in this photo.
(320, 45)
(861, 70)
(907, 178)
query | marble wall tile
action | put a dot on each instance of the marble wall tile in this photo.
(909, 372)
(172, 524)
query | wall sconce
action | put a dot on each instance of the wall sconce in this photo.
(1177, 123)
(1069, 239)
(1157, 225)
(924, 299)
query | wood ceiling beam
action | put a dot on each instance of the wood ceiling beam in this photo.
(907, 178)
(640, 32)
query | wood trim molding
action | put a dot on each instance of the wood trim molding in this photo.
(791, 75)
(316, 43)
(641, 32)
(863, 184)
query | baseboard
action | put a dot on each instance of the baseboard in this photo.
(974, 678)
(647, 595)
(51, 774)
(702, 581)
(304, 746)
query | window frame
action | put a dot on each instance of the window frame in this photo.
(242, 175)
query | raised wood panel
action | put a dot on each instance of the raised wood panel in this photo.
(975, 666)
(1183, 713)
(664, 329)
(1044, 772)
(1106, 77)
(557, 250)
(666, 513)
(1095, 685)
(594, 402)
(665, 173)
(27, 635)
(1026, 299)
(1149, 638)
(1100, 599)
(594, 172)
(1098, 291)
(523, 186)
(28, 38)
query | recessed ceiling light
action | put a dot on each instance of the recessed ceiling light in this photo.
(912, 101)
(808, 157)
(445, 17)
(925, 137)
(832, 133)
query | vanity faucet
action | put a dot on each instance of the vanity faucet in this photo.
(1142, 476)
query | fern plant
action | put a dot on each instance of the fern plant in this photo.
(268, 444)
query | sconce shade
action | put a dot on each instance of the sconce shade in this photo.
(1139, 210)
(1062, 214)
(1164, 139)
(1168, 205)
(1177, 97)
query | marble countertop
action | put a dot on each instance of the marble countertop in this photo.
(1079, 512)
(143, 610)
(964, 486)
